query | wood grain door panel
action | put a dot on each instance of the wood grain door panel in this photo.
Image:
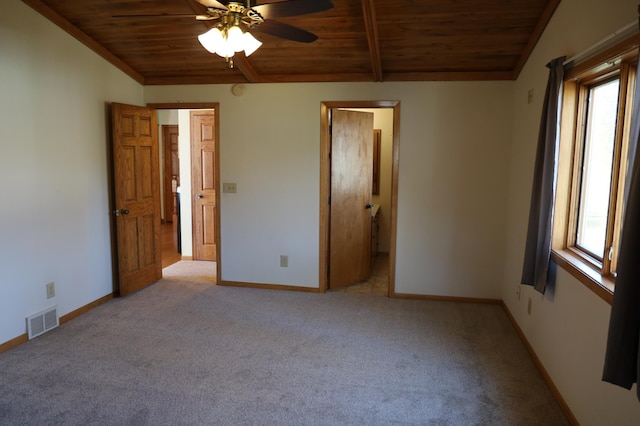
(351, 189)
(137, 197)
(203, 161)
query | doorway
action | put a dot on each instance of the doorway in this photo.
(326, 188)
(186, 195)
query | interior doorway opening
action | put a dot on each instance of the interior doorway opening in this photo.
(179, 231)
(383, 265)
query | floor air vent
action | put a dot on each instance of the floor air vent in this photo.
(42, 322)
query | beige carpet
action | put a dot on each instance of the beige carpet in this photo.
(186, 352)
(192, 271)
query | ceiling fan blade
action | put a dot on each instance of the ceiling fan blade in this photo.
(292, 8)
(289, 32)
(212, 3)
(166, 15)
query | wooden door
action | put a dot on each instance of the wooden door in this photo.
(137, 196)
(351, 186)
(171, 169)
(203, 161)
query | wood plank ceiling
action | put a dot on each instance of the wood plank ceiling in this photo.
(365, 40)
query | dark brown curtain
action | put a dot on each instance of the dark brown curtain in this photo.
(538, 244)
(622, 359)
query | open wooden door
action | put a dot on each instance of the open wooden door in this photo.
(203, 183)
(137, 196)
(351, 186)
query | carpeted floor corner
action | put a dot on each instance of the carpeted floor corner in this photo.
(187, 352)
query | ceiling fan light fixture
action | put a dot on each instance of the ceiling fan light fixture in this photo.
(233, 19)
(224, 50)
(235, 39)
(251, 44)
(212, 40)
(227, 42)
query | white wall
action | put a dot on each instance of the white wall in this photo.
(568, 326)
(54, 210)
(383, 119)
(184, 153)
(167, 116)
(452, 183)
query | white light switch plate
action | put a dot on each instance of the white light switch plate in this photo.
(229, 188)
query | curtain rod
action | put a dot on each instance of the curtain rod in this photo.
(628, 30)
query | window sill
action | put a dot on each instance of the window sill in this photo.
(579, 269)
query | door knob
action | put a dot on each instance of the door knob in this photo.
(368, 206)
(121, 211)
(199, 196)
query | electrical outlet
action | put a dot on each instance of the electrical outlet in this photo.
(284, 261)
(229, 188)
(530, 96)
(51, 290)
(529, 306)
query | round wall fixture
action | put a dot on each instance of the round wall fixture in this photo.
(237, 89)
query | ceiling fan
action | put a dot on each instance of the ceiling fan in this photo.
(234, 20)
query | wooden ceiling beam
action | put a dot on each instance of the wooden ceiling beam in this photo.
(84, 38)
(197, 7)
(371, 26)
(343, 77)
(549, 10)
(450, 76)
(205, 79)
(244, 66)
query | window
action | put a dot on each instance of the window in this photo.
(592, 165)
(596, 168)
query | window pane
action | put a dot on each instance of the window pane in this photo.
(596, 168)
